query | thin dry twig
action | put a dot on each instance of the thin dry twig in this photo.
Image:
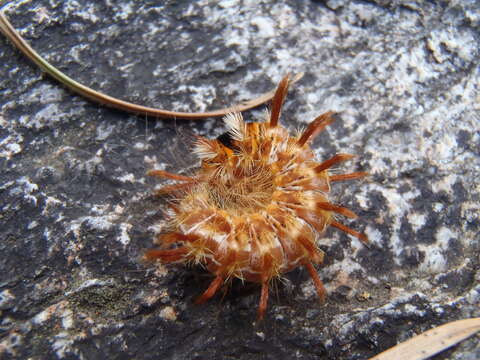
(432, 342)
(8, 30)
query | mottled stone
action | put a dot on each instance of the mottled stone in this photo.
(77, 209)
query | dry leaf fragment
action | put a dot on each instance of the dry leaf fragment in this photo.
(432, 342)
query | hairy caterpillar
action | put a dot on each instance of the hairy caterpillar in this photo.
(257, 206)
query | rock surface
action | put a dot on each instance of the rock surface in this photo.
(77, 209)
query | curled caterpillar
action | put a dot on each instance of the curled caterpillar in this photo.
(257, 205)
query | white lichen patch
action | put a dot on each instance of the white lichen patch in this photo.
(104, 131)
(443, 236)
(473, 296)
(445, 184)
(42, 15)
(32, 225)
(122, 10)
(124, 238)
(471, 210)
(264, 25)
(49, 115)
(10, 146)
(416, 220)
(168, 313)
(424, 285)
(84, 11)
(100, 222)
(49, 312)
(67, 319)
(127, 178)
(346, 266)
(158, 227)
(445, 148)
(403, 79)
(6, 298)
(25, 188)
(62, 344)
(142, 146)
(103, 218)
(202, 96)
(399, 205)
(11, 343)
(446, 43)
(152, 162)
(89, 283)
(435, 261)
(402, 149)
(374, 236)
(50, 203)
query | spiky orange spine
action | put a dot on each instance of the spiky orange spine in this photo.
(256, 207)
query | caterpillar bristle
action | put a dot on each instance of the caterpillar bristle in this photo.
(319, 287)
(166, 256)
(333, 161)
(351, 176)
(166, 175)
(278, 100)
(316, 127)
(212, 289)
(346, 229)
(262, 307)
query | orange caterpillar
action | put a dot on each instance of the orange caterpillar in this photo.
(257, 206)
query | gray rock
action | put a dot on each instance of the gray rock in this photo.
(77, 209)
